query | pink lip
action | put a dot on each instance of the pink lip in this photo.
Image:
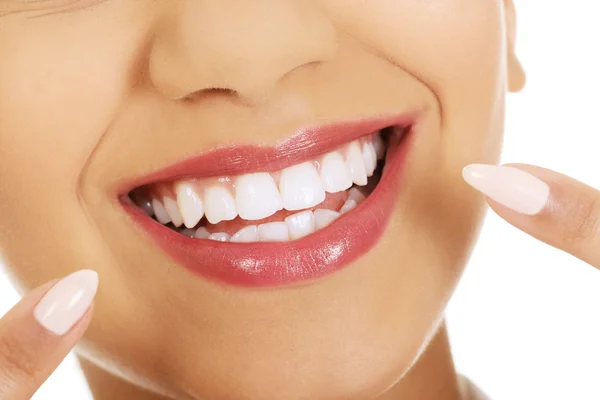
(237, 160)
(274, 264)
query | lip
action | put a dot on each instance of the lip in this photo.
(277, 264)
(243, 159)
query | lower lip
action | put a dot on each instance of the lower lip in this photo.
(278, 264)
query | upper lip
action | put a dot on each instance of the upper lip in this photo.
(233, 159)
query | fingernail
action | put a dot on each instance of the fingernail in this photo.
(67, 301)
(509, 186)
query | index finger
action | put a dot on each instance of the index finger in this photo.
(550, 206)
(37, 334)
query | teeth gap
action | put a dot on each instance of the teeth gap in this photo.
(297, 221)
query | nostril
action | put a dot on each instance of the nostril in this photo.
(208, 93)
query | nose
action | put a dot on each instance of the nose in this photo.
(240, 46)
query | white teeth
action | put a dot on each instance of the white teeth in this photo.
(355, 163)
(219, 205)
(348, 206)
(173, 211)
(300, 224)
(219, 237)
(334, 173)
(257, 196)
(273, 232)
(161, 213)
(301, 187)
(202, 233)
(324, 218)
(356, 195)
(189, 203)
(369, 157)
(246, 235)
(378, 145)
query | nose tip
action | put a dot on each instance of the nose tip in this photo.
(195, 51)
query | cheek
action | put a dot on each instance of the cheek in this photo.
(61, 83)
(456, 48)
(437, 41)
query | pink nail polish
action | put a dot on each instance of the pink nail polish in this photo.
(509, 186)
(67, 301)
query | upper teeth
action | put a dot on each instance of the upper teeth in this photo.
(334, 174)
(219, 205)
(301, 187)
(256, 196)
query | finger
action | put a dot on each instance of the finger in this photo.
(37, 334)
(549, 206)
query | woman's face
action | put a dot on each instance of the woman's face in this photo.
(97, 94)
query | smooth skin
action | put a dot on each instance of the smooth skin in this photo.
(94, 92)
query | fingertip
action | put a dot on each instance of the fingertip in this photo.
(67, 302)
(511, 187)
(473, 174)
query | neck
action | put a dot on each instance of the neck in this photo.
(433, 377)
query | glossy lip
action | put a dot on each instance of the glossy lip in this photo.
(243, 159)
(276, 264)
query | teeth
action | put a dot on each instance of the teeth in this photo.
(334, 173)
(202, 233)
(189, 233)
(324, 218)
(257, 196)
(378, 145)
(301, 187)
(348, 206)
(219, 205)
(173, 211)
(144, 202)
(161, 213)
(189, 203)
(147, 206)
(219, 237)
(273, 232)
(246, 235)
(300, 224)
(356, 195)
(369, 157)
(355, 163)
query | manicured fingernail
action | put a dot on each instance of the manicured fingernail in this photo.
(509, 186)
(67, 301)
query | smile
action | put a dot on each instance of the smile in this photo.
(266, 216)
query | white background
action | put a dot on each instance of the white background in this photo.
(525, 321)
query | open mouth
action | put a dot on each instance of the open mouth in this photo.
(263, 217)
(281, 206)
